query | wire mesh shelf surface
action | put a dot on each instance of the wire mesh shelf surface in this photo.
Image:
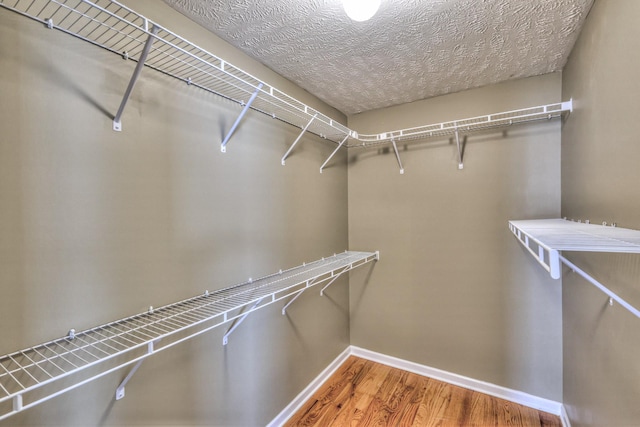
(108, 24)
(33, 375)
(544, 239)
(564, 235)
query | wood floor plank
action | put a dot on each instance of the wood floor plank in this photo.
(375, 415)
(390, 408)
(315, 410)
(443, 405)
(482, 411)
(367, 385)
(362, 393)
(408, 407)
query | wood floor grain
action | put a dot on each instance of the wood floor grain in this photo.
(362, 393)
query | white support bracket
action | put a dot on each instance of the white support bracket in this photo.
(284, 309)
(460, 151)
(225, 338)
(330, 283)
(347, 268)
(120, 389)
(223, 146)
(298, 139)
(612, 296)
(117, 120)
(308, 284)
(334, 152)
(395, 149)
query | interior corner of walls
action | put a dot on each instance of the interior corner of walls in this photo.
(564, 417)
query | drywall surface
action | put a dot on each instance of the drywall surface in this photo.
(600, 177)
(453, 288)
(97, 225)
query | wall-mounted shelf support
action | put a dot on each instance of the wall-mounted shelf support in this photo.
(295, 297)
(328, 284)
(120, 389)
(117, 120)
(395, 150)
(460, 147)
(544, 239)
(334, 152)
(238, 322)
(297, 139)
(223, 146)
(36, 374)
(612, 295)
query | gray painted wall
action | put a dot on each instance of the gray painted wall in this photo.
(97, 225)
(453, 289)
(600, 176)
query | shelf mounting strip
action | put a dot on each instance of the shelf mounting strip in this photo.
(113, 26)
(34, 375)
(545, 239)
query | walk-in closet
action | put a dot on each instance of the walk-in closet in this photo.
(277, 212)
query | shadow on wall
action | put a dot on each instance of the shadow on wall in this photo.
(358, 287)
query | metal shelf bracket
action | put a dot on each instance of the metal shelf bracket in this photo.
(117, 120)
(120, 389)
(295, 297)
(334, 152)
(335, 276)
(395, 149)
(308, 284)
(297, 139)
(225, 338)
(223, 146)
(460, 146)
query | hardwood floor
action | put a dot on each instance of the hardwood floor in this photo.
(362, 393)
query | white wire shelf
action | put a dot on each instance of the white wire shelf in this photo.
(110, 25)
(507, 118)
(546, 238)
(34, 375)
(115, 27)
(554, 235)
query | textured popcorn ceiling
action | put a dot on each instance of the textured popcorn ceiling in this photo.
(411, 49)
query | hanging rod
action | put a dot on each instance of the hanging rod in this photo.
(117, 28)
(545, 239)
(34, 375)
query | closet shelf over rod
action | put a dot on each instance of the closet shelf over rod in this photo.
(112, 26)
(546, 238)
(473, 124)
(37, 374)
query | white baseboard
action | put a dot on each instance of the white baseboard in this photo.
(515, 396)
(309, 390)
(511, 395)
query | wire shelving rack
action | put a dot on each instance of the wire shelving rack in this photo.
(117, 28)
(545, 239)
(34, 375)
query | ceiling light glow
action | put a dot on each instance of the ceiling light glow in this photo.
(361, 10)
